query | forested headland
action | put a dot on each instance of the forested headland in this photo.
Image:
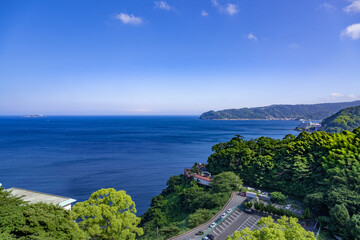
(280, 112)
(345, 119)
(320, 169)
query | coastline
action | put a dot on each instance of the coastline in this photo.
(249, 119)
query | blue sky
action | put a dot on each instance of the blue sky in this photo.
(176, 56)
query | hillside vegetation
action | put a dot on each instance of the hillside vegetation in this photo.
(320, 168)
(108, 214)
(184, 205)
(289, 112)
(345, 119)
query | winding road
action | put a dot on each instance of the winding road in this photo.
(234, 201)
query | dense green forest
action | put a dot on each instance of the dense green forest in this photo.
(322, 169)
(108, 214)
(345, 119)
(311, 111)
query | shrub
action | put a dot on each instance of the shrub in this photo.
(278, 197)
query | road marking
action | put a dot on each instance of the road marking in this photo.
(250, 223)
(221, 227)
(240, 228)
(228, 222)
(225, 224)
(215, 232)
(232, 217)
(236, 213)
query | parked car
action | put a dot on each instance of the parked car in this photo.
(205, 238)
(288, 207)
(218, 220)
(223, 215)
(210, 236)
(213, 225)
(229, 211)
(199, 233)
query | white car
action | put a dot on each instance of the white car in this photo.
(229, 211)
(223, 215)
(288, 207)
(213, 225)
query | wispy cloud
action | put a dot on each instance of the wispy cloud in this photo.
(334, 96)
(229, 9)
(215, 3)
(251, 36)
(342, 97)
(354, 7)
(327, 7)
(293, 45)
(163, 5)
(352, 32)
(353, 96)
(129, 19)
(204, 13)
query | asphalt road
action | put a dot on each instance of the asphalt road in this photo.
(235, 201)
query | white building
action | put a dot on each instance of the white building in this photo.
(264, 197)
(36, 197)
(202, 180)
(251, 194)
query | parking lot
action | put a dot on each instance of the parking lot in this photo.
(236, 221)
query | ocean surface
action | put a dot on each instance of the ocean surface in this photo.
(75, 156)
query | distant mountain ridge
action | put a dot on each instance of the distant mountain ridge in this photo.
(280, 112)
(345, 119)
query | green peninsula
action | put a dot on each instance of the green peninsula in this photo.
(280, 112)
(345, 119)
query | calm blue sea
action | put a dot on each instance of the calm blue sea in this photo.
(75, 156)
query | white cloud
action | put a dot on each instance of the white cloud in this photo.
(229, 9)
(252, 37)
(204, 13)
(342, 97)
(163, 5)
(293, 45)
(336, 95)
(326, 7)
(352, 31)
(129, 19)
(354, 7)
(353, 96)
(215, 3)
